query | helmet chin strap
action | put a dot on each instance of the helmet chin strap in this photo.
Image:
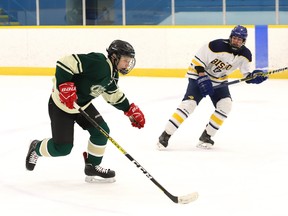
(234, 48)
(116, 62)
(113, 58)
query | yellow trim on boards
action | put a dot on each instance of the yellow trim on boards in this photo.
(26, 71)
(140, 72)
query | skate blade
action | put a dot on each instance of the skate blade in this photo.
(96, 179)
(160, 147)
(202, 145)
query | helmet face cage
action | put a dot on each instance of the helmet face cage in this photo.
(240, 32)
(129, 68)
(122, 48)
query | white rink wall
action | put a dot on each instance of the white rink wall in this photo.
(157, 48)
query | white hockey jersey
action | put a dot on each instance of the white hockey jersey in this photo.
(219, 61)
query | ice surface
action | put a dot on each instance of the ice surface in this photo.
(245, 173)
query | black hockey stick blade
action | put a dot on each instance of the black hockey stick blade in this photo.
(180, 199)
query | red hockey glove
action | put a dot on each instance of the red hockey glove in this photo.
(136, 116)
(67, 94)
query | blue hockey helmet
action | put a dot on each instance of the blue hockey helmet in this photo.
(240, 32)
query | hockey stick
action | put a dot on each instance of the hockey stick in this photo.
(250, 78)
(176, 199)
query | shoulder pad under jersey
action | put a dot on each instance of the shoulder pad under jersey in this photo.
(244, 51)
(222, 45)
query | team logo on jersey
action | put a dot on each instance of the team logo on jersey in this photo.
(97, 90)
(221, 65)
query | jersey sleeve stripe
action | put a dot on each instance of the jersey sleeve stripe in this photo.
(200, 63)
(64, 67)
(79, 64)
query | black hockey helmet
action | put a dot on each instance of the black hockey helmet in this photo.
(240, 32)
(121, 48)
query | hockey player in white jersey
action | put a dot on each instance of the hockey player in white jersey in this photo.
(210, 67)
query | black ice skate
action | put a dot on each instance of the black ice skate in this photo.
(163, 141)
(97, 174)
(205, 141)
(32, 157)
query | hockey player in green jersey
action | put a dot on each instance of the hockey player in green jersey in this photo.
(80, 78)
(210, 67)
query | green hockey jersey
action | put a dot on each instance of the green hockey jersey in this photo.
(93, 75)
